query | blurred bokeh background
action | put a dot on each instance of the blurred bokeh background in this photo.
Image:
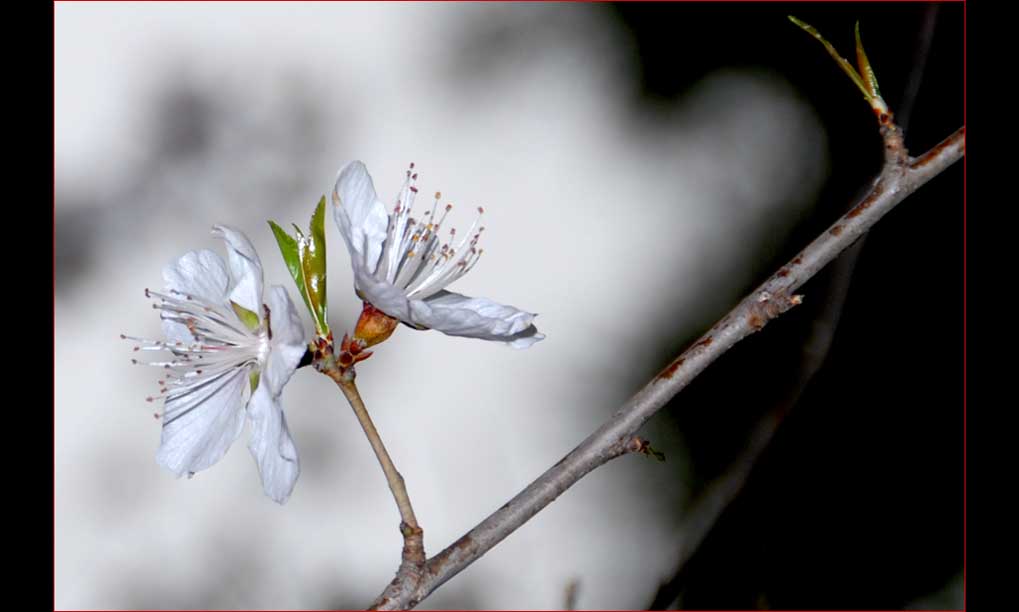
(642, 166)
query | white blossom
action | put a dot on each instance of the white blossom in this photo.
(230, 354)
(402, 264)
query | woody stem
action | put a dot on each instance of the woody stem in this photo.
(393, 477)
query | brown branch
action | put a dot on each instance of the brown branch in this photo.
(413, 557)
(900, 176)
(709, 506)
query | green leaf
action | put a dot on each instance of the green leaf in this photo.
(313, 264)
(841, 61)
(288, 247)
(864, 64)
(317, 226)
(250, 319)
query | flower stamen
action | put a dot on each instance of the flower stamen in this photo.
(221, 349)
(403, 264)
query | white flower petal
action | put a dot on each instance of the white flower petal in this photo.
(245, 268)
(288, 342)
(200, 274)
(211, 356)
(271, 445)
(202, 421)
(360, 215)
(384, 296)
(525, 338)
(408, 284)
(458, 315)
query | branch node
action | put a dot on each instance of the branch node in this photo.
(643, 446)
(413, 543)
(769, 305)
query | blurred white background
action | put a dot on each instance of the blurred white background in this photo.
(614, 225)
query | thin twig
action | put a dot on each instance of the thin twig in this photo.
(393, 477)
(413, 556)
(709, 505)
(900, 176)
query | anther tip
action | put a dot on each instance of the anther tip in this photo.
(134, 361)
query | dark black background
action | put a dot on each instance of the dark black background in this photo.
(858, 500)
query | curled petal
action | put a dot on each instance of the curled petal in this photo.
(458, 315)
(272, 446)
(245, 267)
(200, 422)
(360, 215)
(288, 342)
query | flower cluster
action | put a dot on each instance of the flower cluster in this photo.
(230, 346)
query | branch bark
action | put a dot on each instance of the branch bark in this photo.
(709, 506)
(413, 556)
(900, 176)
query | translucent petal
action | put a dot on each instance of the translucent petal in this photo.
(198, 273)
(288, 342)
(360, 215)
(201, 274)
(201, 422)
(384, 296)
(458, 315)
(272, 446)
(245, 268)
